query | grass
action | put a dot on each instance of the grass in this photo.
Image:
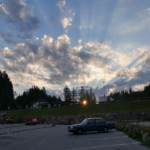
(107, 107)
(134, 131)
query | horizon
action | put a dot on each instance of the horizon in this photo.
(94, 43)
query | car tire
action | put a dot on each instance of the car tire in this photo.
(106, 130)
(80, 131)
(74, 132)
(99, 131)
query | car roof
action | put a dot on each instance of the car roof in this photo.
(95, 118)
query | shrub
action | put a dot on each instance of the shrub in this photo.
(18, 119)
(2, 120)
(134, 131)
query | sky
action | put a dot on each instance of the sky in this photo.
(95, 43)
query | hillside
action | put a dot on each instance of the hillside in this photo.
(130, 106)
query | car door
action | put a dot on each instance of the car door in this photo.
(99, 124)
(90, 126)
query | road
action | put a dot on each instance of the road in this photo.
(57, 138)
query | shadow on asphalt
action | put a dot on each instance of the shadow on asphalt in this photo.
(90, 133)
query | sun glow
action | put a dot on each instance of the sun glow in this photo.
(84, 102)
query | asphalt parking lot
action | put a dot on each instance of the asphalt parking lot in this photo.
(46, 137)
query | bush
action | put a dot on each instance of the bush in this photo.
(135, 135)
(134, 131)
(2, 120)
(146, 143)
(18, 119)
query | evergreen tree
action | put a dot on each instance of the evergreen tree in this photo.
(32, 95)
(82, 94)
(73, 95)
(147, 91)
(92, 97)
(67, 94)
(6, 91)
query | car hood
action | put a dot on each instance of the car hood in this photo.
(76, 125)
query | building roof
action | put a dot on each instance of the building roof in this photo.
(41, 100)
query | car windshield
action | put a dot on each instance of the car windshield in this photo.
(84, 121)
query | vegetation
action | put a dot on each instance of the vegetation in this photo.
(82, 94)
(30, 96)
(33, 94)
(131, 95)
(129, 106)
(134, 131)
(6, 91)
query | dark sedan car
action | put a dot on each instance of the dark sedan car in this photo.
(91, 124)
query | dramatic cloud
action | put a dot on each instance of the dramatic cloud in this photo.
(135, 75)
(51, 56)
(55, 63)
(20, 16)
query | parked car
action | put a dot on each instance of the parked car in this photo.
(91, 124)
(34, 120)
(9, 120)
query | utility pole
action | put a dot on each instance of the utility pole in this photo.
(104, 89)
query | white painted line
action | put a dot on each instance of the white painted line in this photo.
(95, 139)
(105, 146)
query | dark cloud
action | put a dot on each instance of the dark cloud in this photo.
(57, 57)
(96, 60)
(140, 78)
(20, 16)
(62, 64)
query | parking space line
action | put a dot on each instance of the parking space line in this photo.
(94, 147)
(103, 138)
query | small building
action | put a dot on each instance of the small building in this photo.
(41, 103)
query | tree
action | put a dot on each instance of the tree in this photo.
(147, 91)
(131, 95)
(30, 96)
(6, 91)
(67, 94)
(82, 94)
(73, 95)
(92, 97)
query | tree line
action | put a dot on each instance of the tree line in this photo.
(126, 95)
(6, 91)
(7, 99)
(28, 97)
(79, 95)
(32, 95)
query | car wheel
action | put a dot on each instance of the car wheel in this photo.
(105, 130)
(74, 132)
(99, 131)
(80, 131)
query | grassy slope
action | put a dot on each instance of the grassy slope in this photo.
(129, 106)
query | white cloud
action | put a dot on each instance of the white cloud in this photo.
(61, 5)
(66, 16)
(66, 22)
(54, 63)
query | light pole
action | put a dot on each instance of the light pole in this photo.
(104, 89)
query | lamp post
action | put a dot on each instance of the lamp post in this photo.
(104, 89)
